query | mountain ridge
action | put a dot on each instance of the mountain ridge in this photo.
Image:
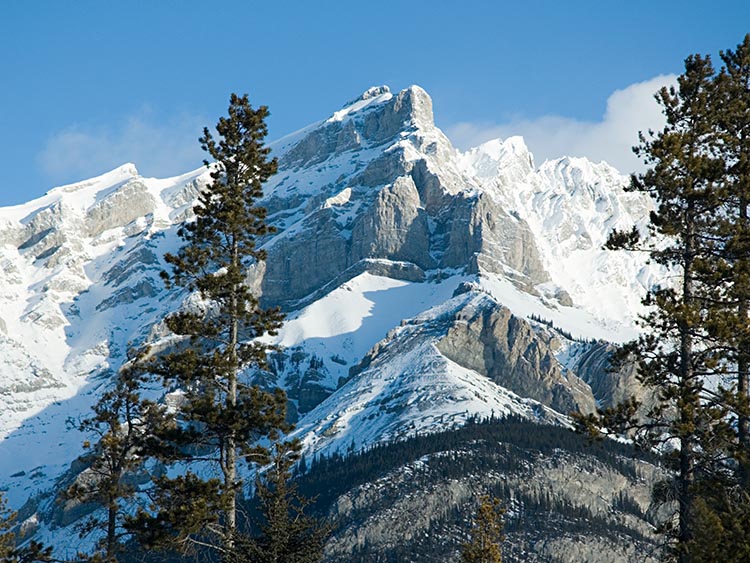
(390, 245)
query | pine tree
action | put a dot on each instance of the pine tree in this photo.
(722, 516)
(723, 499)
(486, 534)
(676, 352)
(286, 533)
(220, 413)
(124, 425)
(732, 325)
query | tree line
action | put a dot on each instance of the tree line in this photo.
(694, 352)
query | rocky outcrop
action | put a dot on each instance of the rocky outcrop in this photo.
(490, 340)
(124, 205)
(394, 227)
(488, 238)
(562, 505)
(410, 202)
(612, 385)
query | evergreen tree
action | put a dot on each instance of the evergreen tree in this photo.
(724, 492)
(732, 325)
(676, 352)
(486, 534)
(287, 533)
(124, 425)
(220, 414)
(722, 516)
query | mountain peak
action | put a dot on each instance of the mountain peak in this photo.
(417, 104)
(372, 92)
(114, 176)
(372, 96)
(500, 157)
(374, 118)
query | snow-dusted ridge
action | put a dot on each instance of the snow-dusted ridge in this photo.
(380, 223)
(571, 205)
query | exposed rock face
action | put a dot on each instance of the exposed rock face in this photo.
(411, 203)
(491, 341)
(562, 506)
(395, 227)
(612, 386)
(488, 238)
(128, 203)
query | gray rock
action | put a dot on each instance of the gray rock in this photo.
(505, 348)
(119, 208)
(144, 288)
(394, 227)
(483, 235)
(611, 386)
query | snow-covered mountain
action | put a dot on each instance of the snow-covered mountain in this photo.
(423, 286)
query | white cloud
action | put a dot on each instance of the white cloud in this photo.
(158, 149)
(629, 111)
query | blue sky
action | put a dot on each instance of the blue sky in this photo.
(88, 85)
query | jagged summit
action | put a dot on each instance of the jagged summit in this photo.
(371, 92)
(509, 159)
(382, 92)
(119, 174)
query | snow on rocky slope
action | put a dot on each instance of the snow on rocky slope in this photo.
(79, 284)
(408, 270)
(571, 205)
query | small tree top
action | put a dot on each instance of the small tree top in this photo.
(486, 533)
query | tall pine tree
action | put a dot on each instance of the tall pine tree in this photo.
(220, 414)
(733, 325)
(676, 353)
(724, 493)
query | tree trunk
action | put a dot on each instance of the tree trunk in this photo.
(230, 480)
(112, 531)
(688, 401)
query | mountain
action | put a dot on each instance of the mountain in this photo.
(424, 288)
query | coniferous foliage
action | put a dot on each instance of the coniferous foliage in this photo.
(695, 353)
(730, 324)
(219, 413)
(125, 426)
(724, 499)
(329, 477)
(486, 533)
(7, 538)
(506, 447)
(285, 532)
(676, 352)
